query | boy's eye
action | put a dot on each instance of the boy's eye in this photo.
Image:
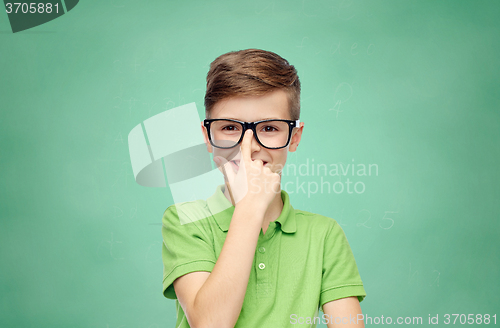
(269, 128)
(230, 128)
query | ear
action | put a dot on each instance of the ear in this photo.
(205, 137)
(296, 136)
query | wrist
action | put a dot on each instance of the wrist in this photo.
(252, 206)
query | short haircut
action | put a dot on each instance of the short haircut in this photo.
(251, 72)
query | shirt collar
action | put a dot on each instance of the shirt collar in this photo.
(222, 210)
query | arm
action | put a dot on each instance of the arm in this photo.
(346, 310)
(215, 299)
(342, 287)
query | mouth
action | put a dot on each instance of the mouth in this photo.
(236, 163)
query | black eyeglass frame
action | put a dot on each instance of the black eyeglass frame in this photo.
(251, 125)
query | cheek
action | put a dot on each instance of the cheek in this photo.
(228, 154)
(279, 159)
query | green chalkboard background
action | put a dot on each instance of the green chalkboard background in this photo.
(408, 86)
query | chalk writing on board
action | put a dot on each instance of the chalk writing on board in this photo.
(343, 92)
(133, 211)
(118, 138)
(336, 49)
(354, 48)
(436, 281)
(172, 104)
(168, 103)
(153, 258)
(342, 12)
(198, 90)
(411, 275)
(339, 220)
(124, 173)
(302, 42)
(354, 52)
(303, 11)
(260, 12)
(149, 106)
(150, 67)
(131, 104)
(146, 56)
(366, 219)
(111, 244)
(431, 277)
(370, 49)
(119, 98)
(118, 212)
(386, 223)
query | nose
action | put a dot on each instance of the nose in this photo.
(254, 144)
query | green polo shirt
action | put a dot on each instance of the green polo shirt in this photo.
(302, 261)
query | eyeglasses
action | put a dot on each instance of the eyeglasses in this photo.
(270, 134)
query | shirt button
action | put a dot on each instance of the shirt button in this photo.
(262, 266)
(262, 249)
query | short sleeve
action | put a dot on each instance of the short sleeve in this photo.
(340, 273)
(186, 247)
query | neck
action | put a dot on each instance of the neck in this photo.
(273, 211)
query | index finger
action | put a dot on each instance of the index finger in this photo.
(245, 145)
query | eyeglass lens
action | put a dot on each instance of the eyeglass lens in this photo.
(271, 134)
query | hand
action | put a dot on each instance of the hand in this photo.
(250, 180)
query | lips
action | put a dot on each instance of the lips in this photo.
(236, 163)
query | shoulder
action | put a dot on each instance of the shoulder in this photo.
(186, 212)
(315, 223)
(314, 219)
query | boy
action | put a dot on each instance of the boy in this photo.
(248, 258)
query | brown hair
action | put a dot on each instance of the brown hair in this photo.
(251, 72)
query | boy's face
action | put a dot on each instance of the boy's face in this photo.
(273, 105)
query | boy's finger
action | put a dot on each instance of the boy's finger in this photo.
(220, 161)
(226, 167)
(245, 145)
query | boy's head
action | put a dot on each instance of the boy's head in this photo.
(253, 85)
(251, 72)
